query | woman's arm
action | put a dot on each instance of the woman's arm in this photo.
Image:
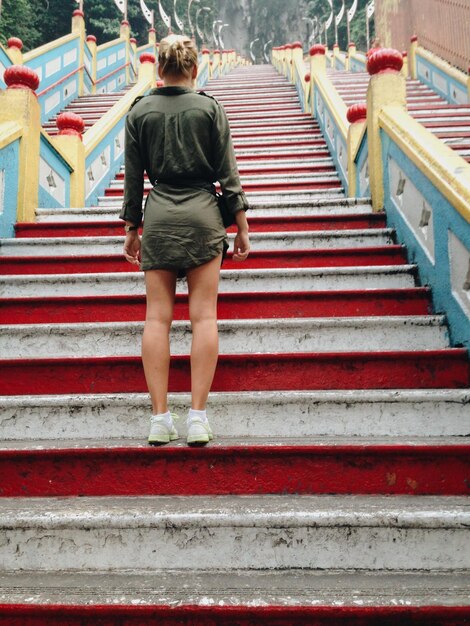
(133, 176)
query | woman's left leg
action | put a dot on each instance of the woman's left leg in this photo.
(160, 286)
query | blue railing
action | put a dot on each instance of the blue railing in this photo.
(334, 137)
(444, 83)
(88, 69)
(361, 162)
(9, 165)
(357, 63)
(57, 66)
(437, 236)
(54, 177)
(111, 66)
(103, 163)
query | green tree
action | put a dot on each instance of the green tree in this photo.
(19, 18)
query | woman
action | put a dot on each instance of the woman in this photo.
(182, 140)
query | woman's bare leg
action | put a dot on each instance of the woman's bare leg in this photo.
(203, 284)
(160, 286)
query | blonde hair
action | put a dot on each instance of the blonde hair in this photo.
(177, 55)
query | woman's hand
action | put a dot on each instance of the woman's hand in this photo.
(132, 247)
(241, 247)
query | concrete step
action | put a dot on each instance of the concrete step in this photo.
(351, 414)
(267, 280)
(245, 597)
(236, 466)
(274, 305)
(405, 369)
(225, 532)
(253, 336)
(336, 205)
(294, 240)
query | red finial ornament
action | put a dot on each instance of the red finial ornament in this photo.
(216, 51)
(352, 44)
(297, 45)
(288, 46)
(91, 38)
(205, 51)
(124, 23)
(21, 77)
(414, 38)
(160, 83)
(133, 40)
(317, 49)
(15, 42)
(307, 77)
(78, 13)
(70, 124)
(147, 57)
(357, 113)
(384, 60)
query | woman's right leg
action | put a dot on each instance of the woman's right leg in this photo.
(160, 286)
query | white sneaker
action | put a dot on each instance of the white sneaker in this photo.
(199, 430)
(162, 428)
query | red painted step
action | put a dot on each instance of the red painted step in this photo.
(236, 470)
(297, 185)
(105, 228)
(258, 259)
(287, 154)
(429, 369)
(412, 301)
(128, 615)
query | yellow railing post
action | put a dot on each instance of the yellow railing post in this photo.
(125, 34)
(69, 142)
(18, 103)
(405, 69)
(357, 117)
(91, 42)
(78, 26)
(147, 70)
(15, 45)
(317, 68)
(412, 60)
(387, 86)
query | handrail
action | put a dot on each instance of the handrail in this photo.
(119, 69)
(61, 80)
(443, 166)
(100, 129)
(335, 103)
(47, 47)
(9, 132)
(443, 65)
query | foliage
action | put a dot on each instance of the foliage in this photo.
(19, 19)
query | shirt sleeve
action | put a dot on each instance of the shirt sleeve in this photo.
(225, 164)
(133, 175)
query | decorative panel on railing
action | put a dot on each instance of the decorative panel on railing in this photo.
(54, 177)
(10, 135)
(436, 235)
(103, 162)
(362, 169)
(447, 84)
(88, 73)
(334, 138)
(203, 76)
(57, 65)
(111, 66)
(339, 62)
(4, 63)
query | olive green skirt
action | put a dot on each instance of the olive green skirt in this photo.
(182, 229)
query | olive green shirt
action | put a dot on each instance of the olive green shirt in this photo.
(176, 134)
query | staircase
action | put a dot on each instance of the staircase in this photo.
(449, 122)
(336, 489)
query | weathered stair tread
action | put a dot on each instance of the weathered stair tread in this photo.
(259, 335)
(308, 413)
(274, 511)
(223, 588)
